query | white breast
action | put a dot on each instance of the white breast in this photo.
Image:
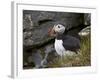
(60, 49)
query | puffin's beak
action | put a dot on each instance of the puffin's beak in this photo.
(51, 32)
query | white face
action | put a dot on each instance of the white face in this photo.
(59, 28)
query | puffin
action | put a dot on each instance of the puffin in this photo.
(64, 44)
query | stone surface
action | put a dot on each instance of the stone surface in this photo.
(36, 24)
(37, 58)
(87, 19)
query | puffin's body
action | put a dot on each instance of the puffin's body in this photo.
(64, 44)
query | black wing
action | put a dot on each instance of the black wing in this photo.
(71, 43)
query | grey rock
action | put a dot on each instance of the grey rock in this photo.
(27, 22)
(87, 19)
(37, 58)
(36, 24)
(85, 31)
(49, 49)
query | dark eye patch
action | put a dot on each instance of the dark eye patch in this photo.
(58, 26)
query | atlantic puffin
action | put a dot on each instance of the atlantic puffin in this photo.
(64, 44)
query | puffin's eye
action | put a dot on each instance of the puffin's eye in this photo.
(58, 26)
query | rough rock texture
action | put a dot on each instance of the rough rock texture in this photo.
(35, 29)
(87, 19)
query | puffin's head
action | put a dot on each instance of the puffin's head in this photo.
(57, 29)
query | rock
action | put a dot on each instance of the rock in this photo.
(37, 58)
(87, 19)
(69, 20)
(27, 22)
(49, 49)
(85, 31)
(36, 24)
